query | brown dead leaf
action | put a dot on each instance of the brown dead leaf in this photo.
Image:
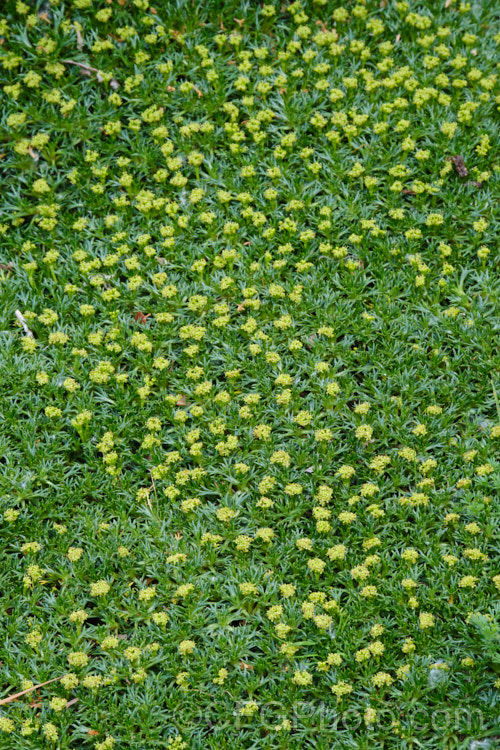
(33, 153)
(240, 307)
(141, 318)
(246, 666)
(181, 401)
(170, 88)
(178, 536)
(459, 164)
(71, 703)
(239, 21)
(198, 91)
(93, 732)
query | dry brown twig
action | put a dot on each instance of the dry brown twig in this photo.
(88, 70)
(14, 697)
(22, 320)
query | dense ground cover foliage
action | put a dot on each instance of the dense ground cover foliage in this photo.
(249, 396)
